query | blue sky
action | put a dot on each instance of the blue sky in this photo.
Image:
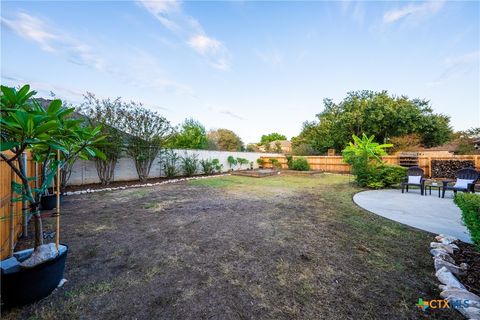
(253, 67)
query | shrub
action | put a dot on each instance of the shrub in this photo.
(300, 164)
(232, 162)
(469, 203)
(241, 161)
(207, 166)
(217, 165)
(367, 167)
(260, 162)
(189, 164)
(275, 163)
(383, 175)
(170, 160)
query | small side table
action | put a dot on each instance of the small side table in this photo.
(435, 185)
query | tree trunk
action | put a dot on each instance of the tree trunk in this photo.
(66, 172)
(105, 170)
(33, 205)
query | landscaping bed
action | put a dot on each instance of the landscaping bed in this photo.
(257, 173)
(471, 256)
(286, 247)
(118, 184)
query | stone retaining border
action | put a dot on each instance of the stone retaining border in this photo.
(446, 271)
(70, 193)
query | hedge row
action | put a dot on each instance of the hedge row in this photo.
(469, 203)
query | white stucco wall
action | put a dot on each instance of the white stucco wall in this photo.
(84, 172)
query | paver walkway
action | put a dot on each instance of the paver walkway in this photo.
(429, 213)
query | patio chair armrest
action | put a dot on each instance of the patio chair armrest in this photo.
(446, 182)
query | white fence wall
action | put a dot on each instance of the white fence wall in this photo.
(84, 172)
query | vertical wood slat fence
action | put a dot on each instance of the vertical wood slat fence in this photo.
(7, 209)
(335, 164)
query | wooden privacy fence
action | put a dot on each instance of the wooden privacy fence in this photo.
(11, 217)
(335, 164)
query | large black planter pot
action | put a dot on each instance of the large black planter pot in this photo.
(32, 284)
(49, 202)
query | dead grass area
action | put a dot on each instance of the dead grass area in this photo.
(282, 247)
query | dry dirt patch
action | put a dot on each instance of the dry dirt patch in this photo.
(238, 248)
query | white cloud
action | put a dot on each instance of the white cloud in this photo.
(413, 12)
(51, 40)
(203, 44)
(171, 16)
(131, 66)
(456, 66)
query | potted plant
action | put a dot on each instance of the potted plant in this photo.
(47, 133)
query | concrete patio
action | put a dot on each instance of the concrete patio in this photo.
(429, 213)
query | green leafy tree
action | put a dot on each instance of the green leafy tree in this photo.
(376, 113)
(26, 125)
(110, 114)
(192, 135)
(148, 132)
(267, 138)
(225, 140)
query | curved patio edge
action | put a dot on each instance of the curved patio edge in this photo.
(429, 213)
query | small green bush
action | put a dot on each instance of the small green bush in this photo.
(382, 175)
(275, 163)
(241, 162)
(469, 203)
(260, 162)
(232, 162)
(189, 164)
(217, 165)
(300, 164)
(207, 166)
(169, 160)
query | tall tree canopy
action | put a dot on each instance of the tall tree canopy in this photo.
(224, 139)
(372, 113)
(267, 138)
(192, 135)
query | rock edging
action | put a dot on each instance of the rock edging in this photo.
(446, 271)
(144, 185)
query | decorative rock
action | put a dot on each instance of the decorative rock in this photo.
(43, 253)
(445, 257)
(445, 239)
(447, 247)
(456, 270)
(461, 294)
(61, 283)
(438, 252)
(141, 185)
(447, 278)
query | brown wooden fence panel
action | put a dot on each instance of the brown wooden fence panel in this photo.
(335, 164)
(6, 207)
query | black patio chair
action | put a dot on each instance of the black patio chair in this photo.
(466, 179)
(414, 178)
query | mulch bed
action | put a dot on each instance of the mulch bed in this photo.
(470, 255)
(116, 184)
